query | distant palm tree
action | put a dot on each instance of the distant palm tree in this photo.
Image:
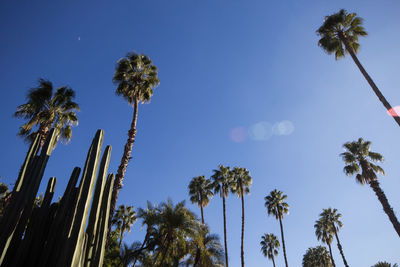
(270, 246)
(385, 264)
(123, 219)
(222, 179)
(200, 192)
(339, 35)
(358, 159)
(135, 77)
(276, 206)
(240, 185)
(205, 249)
(316, 257)
(323, 231)
(47, 110)
(331, 217)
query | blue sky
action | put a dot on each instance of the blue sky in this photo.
(223, 65)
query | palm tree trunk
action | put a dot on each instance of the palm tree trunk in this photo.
(330, 253)
(43, 132)
(283, 239)
(340, 247)
(120, 239)
(385, 204)
(201, 209)
(226, 245)
(141, 247)
(126, 156)
(165, 253)
(242, 239)
(273, 260)
(378, 93)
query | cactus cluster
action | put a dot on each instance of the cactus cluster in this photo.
(70, 232)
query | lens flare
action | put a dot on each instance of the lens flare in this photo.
(261, 131)
(238, 134)
(394, 112)
(283, 128)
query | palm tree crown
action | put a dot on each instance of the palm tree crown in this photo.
(222, 179)
(46, 110)
(124, 218)
(270, 245)
(338, 26)
(276, 205)
(316, 257)
(241, 181)
(358, 157)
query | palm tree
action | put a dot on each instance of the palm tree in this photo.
(240, 185)
(331, 217)
(270, 246)
(136, 78)
(316, 257)
(200, 192)
(358, 157)
(323, 231)
(205, 249)
(222, 179)
(385, 264)
(339, 35)
(47, 110)
(176, 221)
(276, 206)
(124, 218)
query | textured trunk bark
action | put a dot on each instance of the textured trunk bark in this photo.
(340, 247)
(242, 239)
(273, 260)
(43, 132)
(369, 79)
(385, 204)
(330, 253)
(283, 239)
(124, 162)
(226, 245)
(201, 208)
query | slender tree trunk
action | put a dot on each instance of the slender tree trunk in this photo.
(330, 253)
(120, 239)
(201, 208)
(385, 204)
(340, 246)
(273, 260)
(369, 79)
(165, 253)
(283, 239)
(141, 247)
(124, 161)
(242, 238)
(159, 251)
(225, 242)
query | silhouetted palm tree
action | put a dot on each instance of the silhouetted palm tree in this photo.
(270, 246)
(331, 218)
(200, 192)
(135, 77)
(276, 206)
(222, 179)
(359, 160)
(339, 35)
(240, 185)
(323, 231)
(47, 110)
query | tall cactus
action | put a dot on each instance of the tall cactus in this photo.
(62, 233)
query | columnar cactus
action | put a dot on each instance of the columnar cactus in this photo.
(61, 233)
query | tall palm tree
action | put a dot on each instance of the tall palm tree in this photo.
(276, 206)
(323, 231)
(359, 160)
(270, 246)
(136, 78)
(123, 219)
(316, 257)
(47, 109)
(339, 35)
(200, 192)
(240, 185)
(205, 249)
(331, 217)
(222, 179)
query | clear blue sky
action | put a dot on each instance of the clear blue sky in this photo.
(222, 65)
